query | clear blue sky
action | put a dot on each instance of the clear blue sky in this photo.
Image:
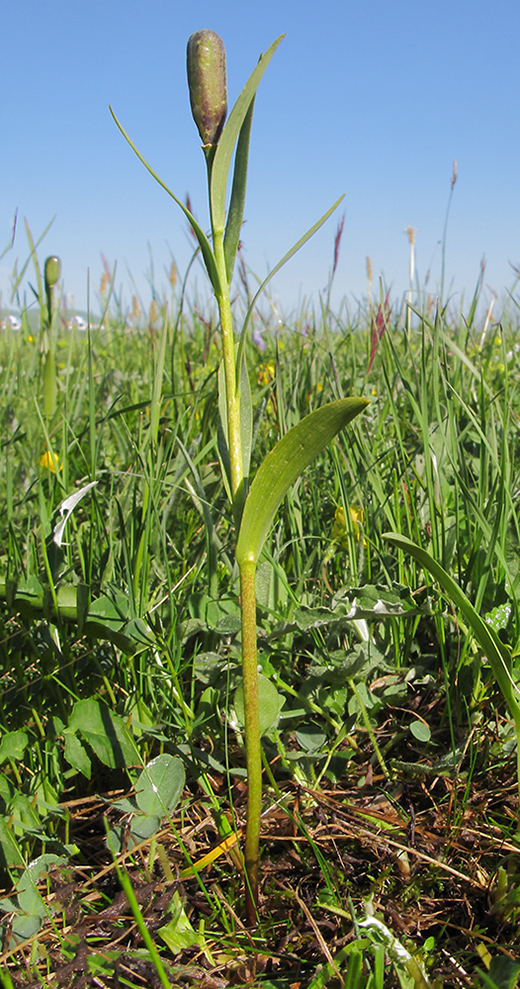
(375, 99)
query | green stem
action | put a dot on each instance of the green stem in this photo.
(253, 742)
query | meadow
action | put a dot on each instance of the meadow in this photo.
(389, 829)
(259, 606)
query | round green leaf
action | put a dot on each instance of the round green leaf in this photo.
(160, 785)
(420, 731)
(270, 703)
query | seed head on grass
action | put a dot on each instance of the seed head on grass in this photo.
(378, 325)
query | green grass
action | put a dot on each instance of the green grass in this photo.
(389, 756)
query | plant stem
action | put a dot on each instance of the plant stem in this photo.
(253, 742)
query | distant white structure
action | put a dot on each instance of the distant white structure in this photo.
(12, 323)
(78, 323)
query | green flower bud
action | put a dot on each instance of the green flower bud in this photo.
(206, 62)
(52, 272)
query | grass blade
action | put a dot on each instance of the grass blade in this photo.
(203, 241)
(484, 634)
(287, 257)
(238, 194)
(228, 139)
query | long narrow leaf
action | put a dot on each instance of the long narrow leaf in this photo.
(283, 465)
(228, 138)
(33, 256)
(287, 257)
(203, 241)
(238, 194)
(484, 634)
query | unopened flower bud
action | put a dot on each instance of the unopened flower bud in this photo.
(52, 272)
(206, 62)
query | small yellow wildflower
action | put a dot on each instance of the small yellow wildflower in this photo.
(30, 339)
(339, 529)
(266, 374)
(50, 462)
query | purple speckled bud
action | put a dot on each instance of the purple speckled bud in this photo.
(206, 62)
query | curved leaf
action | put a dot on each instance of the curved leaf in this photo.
(203, 241)
(283, 465)
(287, 257)
(484, 634)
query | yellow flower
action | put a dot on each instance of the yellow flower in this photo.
(339, 529)
(266, 374)
(50, 462)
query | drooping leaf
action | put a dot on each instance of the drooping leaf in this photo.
(204, 244)
(105, 731)
(76, 754)
(485, 635)
(283, 465)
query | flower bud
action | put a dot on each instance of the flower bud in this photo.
(206, 62)
(52, 271)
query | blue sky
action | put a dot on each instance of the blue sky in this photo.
(373, 99)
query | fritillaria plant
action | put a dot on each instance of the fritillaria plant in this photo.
(254, 508)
